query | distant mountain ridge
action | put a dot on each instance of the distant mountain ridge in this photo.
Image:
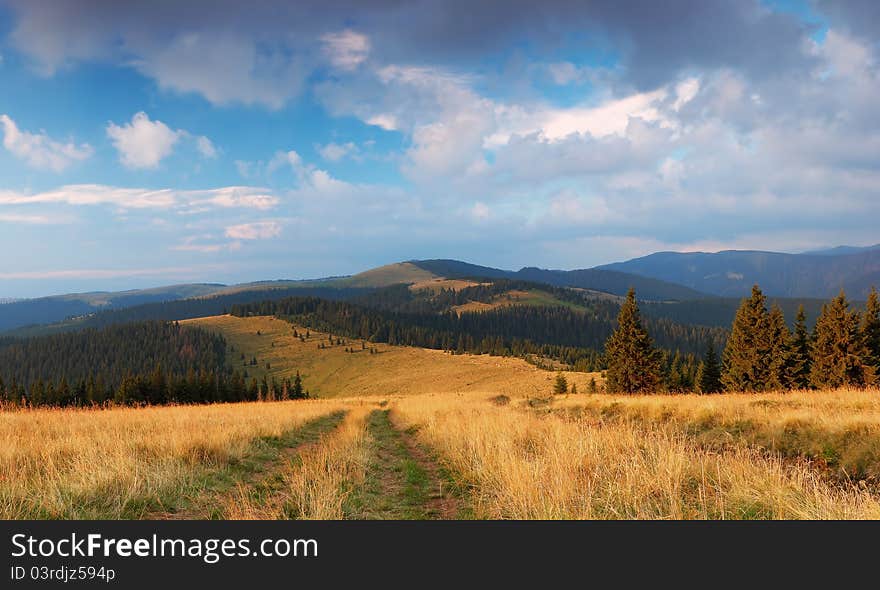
(48, 310)
(662, 276)
(842, 250)
(608, 281)
(731, 273)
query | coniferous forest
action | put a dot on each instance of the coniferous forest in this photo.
(574, 336)
(136, 363)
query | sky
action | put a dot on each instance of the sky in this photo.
(149, 143)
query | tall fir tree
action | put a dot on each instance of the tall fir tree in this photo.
(560, 386)
(710, 372)
(871, 337)
(297, 391)
(838, 353)
(634, 365)
(797, 360)
(776, 347)
(750, 358)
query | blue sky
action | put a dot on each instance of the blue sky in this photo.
(148, 143)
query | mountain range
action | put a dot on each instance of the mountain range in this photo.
(731, 273)
(694, 278)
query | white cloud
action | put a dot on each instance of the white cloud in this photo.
(281, 159)
(346, 49)
(143, 143)
(206, 147)
(197, 244)
(563, 73)
(28, 219)
(480, 211)
(335, 151)
(608, 118)
(383, 120)
(685, 91)
(259, 230)
(224, 68)
(39, 150)
(138, 198)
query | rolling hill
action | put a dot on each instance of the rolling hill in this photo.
(64, 308)
(607, 281)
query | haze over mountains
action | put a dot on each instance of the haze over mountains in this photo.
(693, 277)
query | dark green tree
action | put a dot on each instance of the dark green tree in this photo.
(634, 365)
(710, 372)
(838, 352)
(753, 357)
(871, 337)
(776, 347)
(560, 386)
(797, 360)
(296, 391)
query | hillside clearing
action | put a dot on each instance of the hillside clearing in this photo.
(391, 371)
(516, 297)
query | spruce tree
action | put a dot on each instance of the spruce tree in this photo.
(751, 359)
(560, 386)
(634, 365)
(838, 351)
(776, 347)
(870, 333)
(710, 372)
(297, 390)
(797, 360)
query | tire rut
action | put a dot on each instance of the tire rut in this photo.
(261, 476)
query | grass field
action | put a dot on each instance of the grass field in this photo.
(517, 297)
(418, 434)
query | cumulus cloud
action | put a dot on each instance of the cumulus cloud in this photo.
(261, 53)
(224, 67)
(206, 147)
(346, 49)
(383, 120)
(259, 230)
(39, 150)
(692, 137)
(336, 151)
(143, 143)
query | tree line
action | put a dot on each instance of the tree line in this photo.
(762, 353)
(574, 336)
(133, 364)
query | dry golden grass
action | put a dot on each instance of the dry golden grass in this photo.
(839, 429)
(390, 274)
(438, 283)
(518, 451)
(515, 297)
(396, 370)
(315, 483)
(122, 463)
(519, 464)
